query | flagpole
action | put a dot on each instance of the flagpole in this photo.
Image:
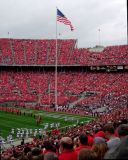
(56, 63)
(61, 18)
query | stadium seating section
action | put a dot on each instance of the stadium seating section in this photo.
(43, 52)
(39, 87)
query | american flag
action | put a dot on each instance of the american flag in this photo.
(61, 18)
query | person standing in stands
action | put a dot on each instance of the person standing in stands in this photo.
(66, 149)
(83, 143)
(110, 134)
(119, 149)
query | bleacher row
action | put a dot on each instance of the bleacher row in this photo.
(43, 52)
(39, 87)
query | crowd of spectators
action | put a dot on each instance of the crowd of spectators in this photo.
(43, 52)
(103, 138)
(34, 52)
(109, 89)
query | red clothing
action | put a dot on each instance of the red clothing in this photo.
(90, 140)
(78, 149)
(116, 133)
(68, 155)
(100, 134)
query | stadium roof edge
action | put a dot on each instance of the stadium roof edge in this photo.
(34, 39)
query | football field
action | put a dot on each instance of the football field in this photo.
(9, 121)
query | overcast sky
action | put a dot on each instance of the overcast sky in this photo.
(36, 19)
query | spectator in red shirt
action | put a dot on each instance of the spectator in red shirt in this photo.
(66, 149)
(100, 134)
(90, 138)
(83, 143)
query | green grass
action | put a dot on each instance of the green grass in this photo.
(9, 120)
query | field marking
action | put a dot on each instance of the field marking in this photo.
(50, 118)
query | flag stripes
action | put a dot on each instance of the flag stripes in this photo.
(61, 18)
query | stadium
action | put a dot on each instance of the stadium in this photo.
(61, 102)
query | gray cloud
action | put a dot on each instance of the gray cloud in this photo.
(37, 19)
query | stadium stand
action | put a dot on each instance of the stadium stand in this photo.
(42, 52)
(37, 87)
(79, 92)
(34, 52)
